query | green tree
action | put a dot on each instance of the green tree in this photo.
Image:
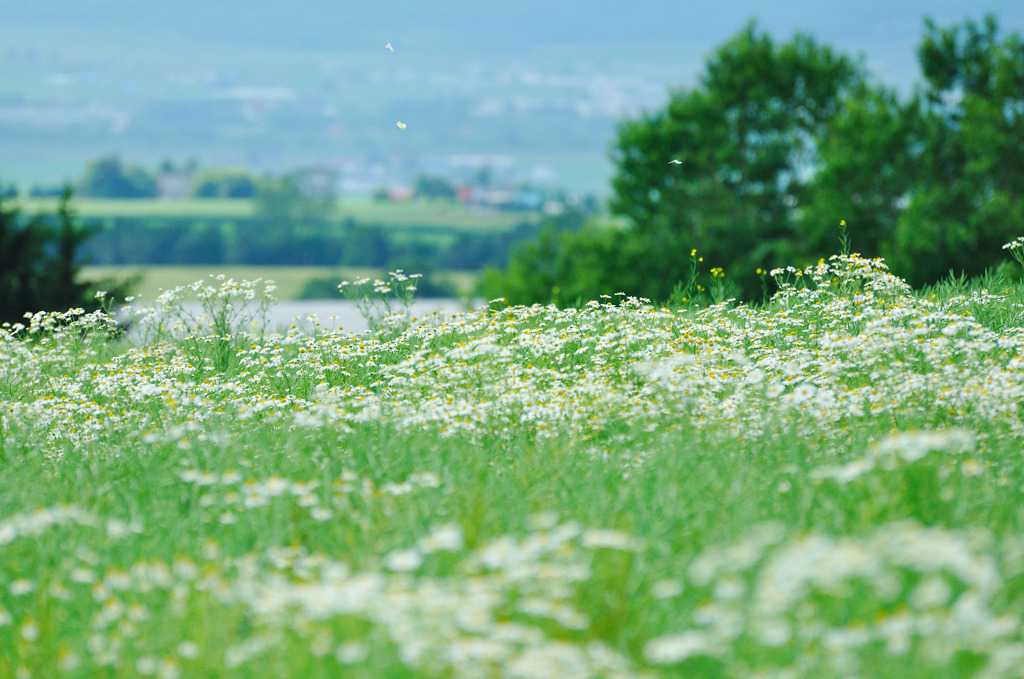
(431, 186)
(202, 243)
(224, 183)
(40, 264)
(747, 142)
(108, 177)
(573, 267)
(366, 245)
(21, 246)
(968, 198)
(868, 159)
(756, 166)
(60, 286)
(298, 203)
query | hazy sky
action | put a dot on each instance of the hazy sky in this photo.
(133, 69)
(885, 31)
(676, 33)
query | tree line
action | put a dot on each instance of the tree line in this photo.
(755, 167)
(346, 242)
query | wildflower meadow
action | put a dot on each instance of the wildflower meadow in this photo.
(825, 485)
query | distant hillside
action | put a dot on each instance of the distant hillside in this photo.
(271, 85)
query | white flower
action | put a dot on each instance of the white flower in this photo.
(187, 649)
(351, 652)
(933, 592)
(30, 630)
(446, 537)
(804, 392)
(596, 538)
(755, 376)
(22, 586)
(666, 589)
(321, 513)
(146, 664)
(403, 560)
(400, 125)
(389, 48)
(673, 648)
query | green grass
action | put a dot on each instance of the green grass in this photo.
(126, 207)
(828, 486)
(431, 214)
(399, 215)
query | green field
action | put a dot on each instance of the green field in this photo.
(127, 207)
(289, 279)
(825, 486)
(429, 214)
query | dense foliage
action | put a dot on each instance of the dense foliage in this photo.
(187, 240)
(224, 183)
(40, 259)
(109, 177)
(757, 165)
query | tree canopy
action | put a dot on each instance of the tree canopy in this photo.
(757, 164)
(747, 140)
(968, 196)
(108, 177)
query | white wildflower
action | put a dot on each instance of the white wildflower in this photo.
(674, 648)
(403, 560)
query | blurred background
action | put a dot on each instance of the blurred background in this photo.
(536, 88)
(265, 134)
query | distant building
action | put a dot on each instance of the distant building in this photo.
(173, 185)
(400, 193)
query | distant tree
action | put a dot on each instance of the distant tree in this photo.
(299, 202)
(224, 183)
(366, 246)
(46, 191)
(432, 186)
(202, 243)
(107, 177)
